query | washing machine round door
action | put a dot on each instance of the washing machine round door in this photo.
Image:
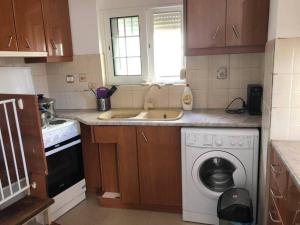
(216, 171)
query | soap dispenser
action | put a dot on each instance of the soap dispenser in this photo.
(187, 98)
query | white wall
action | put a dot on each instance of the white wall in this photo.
(83, 16)
(284, 19)
(115, 4)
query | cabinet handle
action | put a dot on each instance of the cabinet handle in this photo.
(274, 171)
(295, 217)
(53, 44)
(144, 136)
(274, 220)
(216, 33)
(27, 43)
(10, 38)
(275, 196)
(235, 31)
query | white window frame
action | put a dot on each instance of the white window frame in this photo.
(110, 76)
(146, 44)
(150, 31)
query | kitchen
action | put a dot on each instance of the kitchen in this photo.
(150, 113)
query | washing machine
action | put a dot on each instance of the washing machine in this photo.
(213, 161)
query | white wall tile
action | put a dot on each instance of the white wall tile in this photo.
(218, 98)
(284, 56)
(280, 123)
(197, 62)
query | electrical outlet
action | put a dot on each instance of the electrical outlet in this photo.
(70, 78)
(82, 77)
(222, 73)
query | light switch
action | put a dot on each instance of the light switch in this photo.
(70, 78)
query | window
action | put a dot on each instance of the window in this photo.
(144, 45)
(125, 36)
(167, 45)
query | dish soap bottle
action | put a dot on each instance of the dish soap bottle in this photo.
(187, 98)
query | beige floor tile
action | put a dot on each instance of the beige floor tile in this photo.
(89, 213)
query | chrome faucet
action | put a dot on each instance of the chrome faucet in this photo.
(148, 101)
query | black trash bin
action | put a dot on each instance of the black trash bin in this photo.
(235, 207)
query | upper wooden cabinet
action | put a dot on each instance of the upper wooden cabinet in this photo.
(36, 28)
(205, 23)
(29, 25)
(57, 28)
(58, 32)
(247, 22)
(225, 26)
(8, 40)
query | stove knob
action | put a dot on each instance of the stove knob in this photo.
(233, 143)
(241, 143)
(219, 142)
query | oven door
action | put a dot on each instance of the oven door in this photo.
(65, 166)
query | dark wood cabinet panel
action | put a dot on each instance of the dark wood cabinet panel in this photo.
(109, 168)
(29, 25)
(293, 214)
(225, 26)
(284, 197)
(159, 165)
(247, 22)
(205, 23)
(118, 159)
(57, 28)
(91, 161)
(8, 39)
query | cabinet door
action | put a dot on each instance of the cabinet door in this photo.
(205, 23)
(8, 41)
(247, 22)
(293, 204)
(159, 165)
(57, 27)
(29, 25)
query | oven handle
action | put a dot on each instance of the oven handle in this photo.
(61, 148)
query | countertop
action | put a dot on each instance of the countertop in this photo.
(289, 151)
(194, 118)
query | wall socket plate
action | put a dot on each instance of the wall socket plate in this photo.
(82, 77)
(222, 73)
(70, 78)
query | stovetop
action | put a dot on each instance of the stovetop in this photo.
(59, 130)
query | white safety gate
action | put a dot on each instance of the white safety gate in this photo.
(12, 187)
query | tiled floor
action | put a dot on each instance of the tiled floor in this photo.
(89, 213)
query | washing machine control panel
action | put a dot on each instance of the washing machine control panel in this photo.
(219, 141)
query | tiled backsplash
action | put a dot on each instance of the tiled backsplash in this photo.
(285, 115)
(75, 95)
(38, 70)
(208, 91)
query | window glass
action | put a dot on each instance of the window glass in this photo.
(168, 47)
(125, 35)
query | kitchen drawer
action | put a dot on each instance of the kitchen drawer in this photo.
(279, 173)
(274, 217)
(280, 199)
(293, 204)
(105, 134)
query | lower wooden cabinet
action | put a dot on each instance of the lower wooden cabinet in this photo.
(143, 164)
(159, 165)
(284, 196)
